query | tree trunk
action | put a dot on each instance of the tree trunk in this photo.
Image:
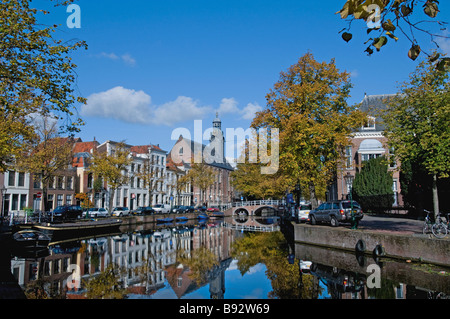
(435, 196)
(312, 196)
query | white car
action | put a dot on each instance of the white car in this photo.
(303, 212)
(120, 211)
(161, 208)
(96, 212)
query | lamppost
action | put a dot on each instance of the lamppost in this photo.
(3, 191)
(349, 181)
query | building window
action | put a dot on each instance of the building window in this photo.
(37, 181)
(366, 157)
(21, 179)
(12, 178)
(50, 201)
(392, 162)
(51, 182)
(60, 182)
(60, 199)
(23, 201)
(69, 199)
(90, 181)
(15, 202)
(370, 123)
(69, 183)
(348, 157)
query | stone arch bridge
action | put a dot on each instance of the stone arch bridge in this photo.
(255, 208)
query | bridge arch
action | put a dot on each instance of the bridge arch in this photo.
(241, 212)
(265, 211)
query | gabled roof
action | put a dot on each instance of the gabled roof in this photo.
(144, 149)
(195, 146)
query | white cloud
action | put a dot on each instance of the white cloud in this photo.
(125, 58)
(248, 113)
(182, 109)
(230, 105)
(136, 107)
(444, 43)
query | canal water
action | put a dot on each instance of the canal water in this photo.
(249, 258)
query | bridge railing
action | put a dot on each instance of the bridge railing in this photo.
(271, 228)
(260, 202)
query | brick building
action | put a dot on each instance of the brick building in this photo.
(367, 142)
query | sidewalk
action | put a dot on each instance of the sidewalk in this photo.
(394, 225)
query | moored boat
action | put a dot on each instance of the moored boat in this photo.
(164, 220)
(30, 239)
(217, 214)
(78, 227)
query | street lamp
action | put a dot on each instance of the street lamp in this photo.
(349, 181)
(3, 191)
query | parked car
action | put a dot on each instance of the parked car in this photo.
(161, 208)
(176, 208)
(200, 209)
(336, 212)
(181, 209)
(67, 212)
(143, 210)
(303, 213)
(120, 211)
(212, 209)
(96, 212)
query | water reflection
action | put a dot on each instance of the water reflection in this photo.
(343, 275)
(223, 258)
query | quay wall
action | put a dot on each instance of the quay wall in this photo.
(413, 247)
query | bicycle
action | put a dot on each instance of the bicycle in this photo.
(437, 228)
(441, 221)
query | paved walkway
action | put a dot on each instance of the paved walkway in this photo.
(393, 224)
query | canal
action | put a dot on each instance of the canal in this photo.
(216, 259)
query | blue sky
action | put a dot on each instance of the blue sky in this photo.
(153, 66)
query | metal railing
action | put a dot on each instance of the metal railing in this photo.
(260, 202)
(265, 229)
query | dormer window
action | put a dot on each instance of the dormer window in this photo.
(370, 123)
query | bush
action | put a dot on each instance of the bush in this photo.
(372, 187)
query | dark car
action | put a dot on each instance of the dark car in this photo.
(336, 212)
(67, 212)
(181, 209)
(143, 210)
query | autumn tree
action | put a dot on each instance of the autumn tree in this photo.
(151, 178)
(386, 20)
(417, 123)
(50, 154)
(202, 176)
(112, 168)
(37, 76)
(308, 105)
(251, 182)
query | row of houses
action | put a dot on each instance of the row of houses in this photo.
(22, 190)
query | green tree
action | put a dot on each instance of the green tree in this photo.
(50, 154)
(37, 76)
(202, 176)
(308, 105)
(112, 168)
(387, 19)
(417, 123)
(372, 187)
(108, 284)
